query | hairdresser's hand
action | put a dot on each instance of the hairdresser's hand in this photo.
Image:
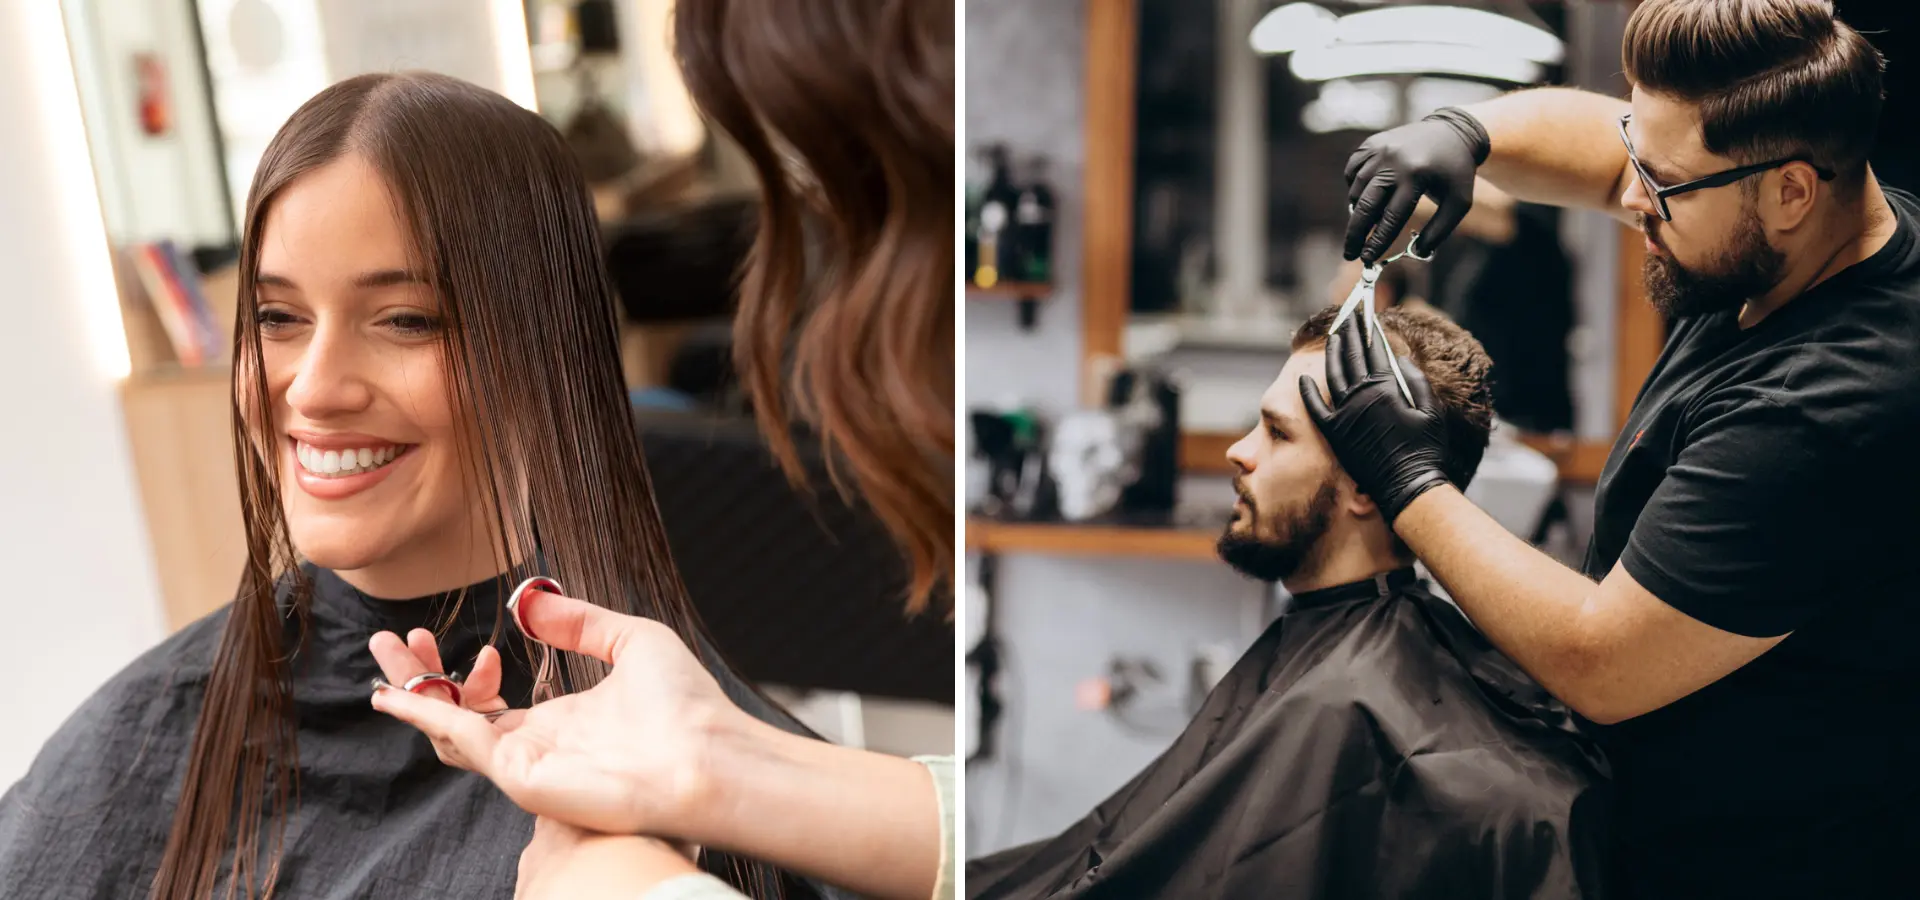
(631, 755)
(401, 660)
(1434, 157)
(1394, 451)
(563, 862)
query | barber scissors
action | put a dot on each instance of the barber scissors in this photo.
(1362, 297)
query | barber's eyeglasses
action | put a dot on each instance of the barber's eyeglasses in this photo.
(1660, 194)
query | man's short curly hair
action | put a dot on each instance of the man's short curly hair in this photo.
(1455, 364)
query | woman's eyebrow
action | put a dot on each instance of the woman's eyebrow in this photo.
(376, 279)
(388, 278)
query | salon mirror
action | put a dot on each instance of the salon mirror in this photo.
(1241, 115)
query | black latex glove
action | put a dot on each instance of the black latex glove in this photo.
(1393, 451)
(1387, 176)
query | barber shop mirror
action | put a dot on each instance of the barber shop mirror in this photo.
(1240, 116)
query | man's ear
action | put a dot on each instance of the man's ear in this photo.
(1355, 503)
(1787, 197)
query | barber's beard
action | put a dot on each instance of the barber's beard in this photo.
(1273, 549)
(1746, 268)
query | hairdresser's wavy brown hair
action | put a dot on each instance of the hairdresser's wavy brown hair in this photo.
(1772, 78)
(503, 223)
(845, 108)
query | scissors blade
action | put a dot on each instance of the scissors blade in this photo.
(1362, 292)
(1393, 360)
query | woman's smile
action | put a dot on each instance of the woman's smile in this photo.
(335, 467)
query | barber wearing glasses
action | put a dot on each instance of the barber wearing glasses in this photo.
(1744, 635)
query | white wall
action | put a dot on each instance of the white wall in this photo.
(82, 598)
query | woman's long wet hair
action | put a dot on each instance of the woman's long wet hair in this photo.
(845, 108)
(502, 221)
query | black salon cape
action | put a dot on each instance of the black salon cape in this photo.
(1369, 745)
(378, 817)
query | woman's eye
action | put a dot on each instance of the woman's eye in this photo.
(414, 324)
(273, 320)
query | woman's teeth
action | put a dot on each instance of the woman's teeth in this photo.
(341, 463)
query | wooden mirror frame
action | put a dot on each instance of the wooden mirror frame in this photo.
(1112, 62)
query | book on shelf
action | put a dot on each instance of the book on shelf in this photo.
(172, 287)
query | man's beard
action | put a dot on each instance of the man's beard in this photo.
(1295, 531)
(1747, 268)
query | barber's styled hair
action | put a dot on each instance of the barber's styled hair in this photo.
(1772, 78)
(845, 108)
(1455, 365)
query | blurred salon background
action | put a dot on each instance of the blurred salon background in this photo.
(131, 132)
(1155, 202)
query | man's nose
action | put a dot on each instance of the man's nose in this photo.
(331, 378)
(1636, 199)
(1241, 453)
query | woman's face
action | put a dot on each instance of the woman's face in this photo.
(350, 343)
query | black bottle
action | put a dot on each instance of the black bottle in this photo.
(1033, 226)
(997, 241)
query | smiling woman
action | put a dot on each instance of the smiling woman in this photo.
(428, 404)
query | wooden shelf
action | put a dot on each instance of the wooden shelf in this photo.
(1064, 539)
(1010, 290)
(1580, 462)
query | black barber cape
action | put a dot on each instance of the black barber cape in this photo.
(378, 816)
(1370, 744)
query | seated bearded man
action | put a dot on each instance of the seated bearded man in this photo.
(1370, 743)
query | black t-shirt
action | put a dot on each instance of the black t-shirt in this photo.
(1766, 482)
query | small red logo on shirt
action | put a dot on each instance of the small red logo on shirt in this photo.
(1636, 438)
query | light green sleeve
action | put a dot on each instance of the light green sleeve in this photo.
(941, 767)
(706, 887)
(700, 886)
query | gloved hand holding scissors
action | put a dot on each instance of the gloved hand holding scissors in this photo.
(657, 748)
(1391, 440)
(1386, 177)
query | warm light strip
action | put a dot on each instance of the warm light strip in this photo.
(90, 263)
(514, 52)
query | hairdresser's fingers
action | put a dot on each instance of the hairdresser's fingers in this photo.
(1398, 210)
(1353, 355)
(481, 691)
(1366, 197)
(566, 623)
(461, 737)
(1337, 383)
(425, 649)
(399, 665)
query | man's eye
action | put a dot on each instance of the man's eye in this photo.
(1273, 431)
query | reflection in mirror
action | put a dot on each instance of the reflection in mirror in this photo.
(180, 98)
(1246, 112)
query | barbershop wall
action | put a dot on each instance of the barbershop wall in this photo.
(82, 596)
(1060, 620)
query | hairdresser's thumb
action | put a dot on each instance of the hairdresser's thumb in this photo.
(566, 623)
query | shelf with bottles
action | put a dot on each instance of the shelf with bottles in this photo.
(1009, 230)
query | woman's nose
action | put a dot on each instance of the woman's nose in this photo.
(331, 378)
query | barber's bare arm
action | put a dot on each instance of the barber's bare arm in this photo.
(1611, 651)
(1556, 146)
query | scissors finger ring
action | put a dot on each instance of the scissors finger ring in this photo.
(417, 683)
